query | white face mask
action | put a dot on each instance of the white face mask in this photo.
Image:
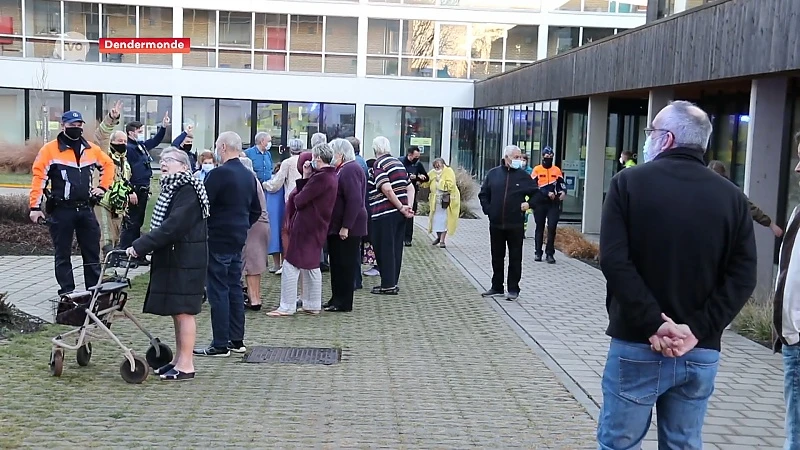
(140, 136)
(621, 161)
(650, 149)
(207, 167)
(438, 171)
(268, 146)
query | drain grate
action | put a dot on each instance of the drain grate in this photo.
(295, 355)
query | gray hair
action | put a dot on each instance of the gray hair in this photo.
(260, 136)
(231, 139)
(381, 146)
(509, 150)
(295, 145)
(119, 133)
(324, 152)
(318, 138)
(687, 122)
(178, 155)
(440, 161)
(344, 148)
(247, 162)
(355, 143)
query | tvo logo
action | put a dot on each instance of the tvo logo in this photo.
(73, 46)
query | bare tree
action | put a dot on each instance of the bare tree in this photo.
(42, 113)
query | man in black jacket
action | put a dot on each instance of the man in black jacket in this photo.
(502, 198)
(676, 242)
(417, 175)
(234, 207)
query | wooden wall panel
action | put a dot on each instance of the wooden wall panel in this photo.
(729, 39)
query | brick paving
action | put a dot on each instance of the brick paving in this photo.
(562, 309)
(435, 367)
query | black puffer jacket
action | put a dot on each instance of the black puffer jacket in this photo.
(502, 194)
(180, 257)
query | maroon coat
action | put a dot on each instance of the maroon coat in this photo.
(349, 210)
(312, 206)
(288, 214)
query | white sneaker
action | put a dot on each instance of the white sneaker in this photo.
(279, 271)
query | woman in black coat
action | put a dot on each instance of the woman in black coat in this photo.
(178, 243)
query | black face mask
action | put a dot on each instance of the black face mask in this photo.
(547, 163)
(187, 147)
(73, 133)
(119, 148)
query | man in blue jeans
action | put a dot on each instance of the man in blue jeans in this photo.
(677, 242)
(234, 207)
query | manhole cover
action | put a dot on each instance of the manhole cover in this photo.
(296, 355)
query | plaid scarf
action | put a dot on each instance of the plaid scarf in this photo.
(169, 185)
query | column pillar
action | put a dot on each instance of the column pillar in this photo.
(360, 130)
(447, 127)
(541, 44)
(595, 164)
(506, 125)
(652, 10)
(361, 58)
(657, 100)
(765, 143)
(176, 115)
(177, 31)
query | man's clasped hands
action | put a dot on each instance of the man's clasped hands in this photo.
(672, 340)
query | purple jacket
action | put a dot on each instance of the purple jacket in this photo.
(313, 204)
(349, 210)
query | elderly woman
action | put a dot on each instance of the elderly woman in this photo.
(309, 207)
(178, 242)
(348, 225)
(207, 164)
(278, 188)
(255, 249)
(444, 200)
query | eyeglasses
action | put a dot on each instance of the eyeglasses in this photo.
(169, 159)
(649, 131)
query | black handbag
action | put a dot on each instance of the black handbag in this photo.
(445, 200)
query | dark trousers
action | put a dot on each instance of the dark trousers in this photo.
(225, 295)
(388, 233)
(409, 236)
(499, 239)
(548, 211)
(82, 223)
(358, 279)
(134, 220)
(342, 253)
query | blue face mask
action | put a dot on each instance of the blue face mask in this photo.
(314, 164)
(516, 163)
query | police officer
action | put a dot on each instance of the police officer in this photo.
(547, 204)
(138, 154)
(67, 164)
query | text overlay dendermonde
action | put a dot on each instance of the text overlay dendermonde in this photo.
(145, 45)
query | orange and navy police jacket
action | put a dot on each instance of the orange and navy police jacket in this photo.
(549, 180)
(69, 172)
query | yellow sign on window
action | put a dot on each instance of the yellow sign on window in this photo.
(426, 142)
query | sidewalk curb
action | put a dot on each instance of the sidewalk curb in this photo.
(13, 185)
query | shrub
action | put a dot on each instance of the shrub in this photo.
(15, 208)
(572, 243)
(18, 158)
(467, 185)
(755, 321)
(6, 308)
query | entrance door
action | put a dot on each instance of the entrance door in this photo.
(271, 118)
(86, 104)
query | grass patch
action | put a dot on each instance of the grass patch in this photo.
(15, 178)
(755, 321)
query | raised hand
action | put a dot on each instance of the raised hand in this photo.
(116, 110)
(189, 130)
(165, 123)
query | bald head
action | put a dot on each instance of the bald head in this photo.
(688, 124)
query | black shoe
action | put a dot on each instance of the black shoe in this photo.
(436, 241)
(407, 243)
(332, 308)
(537, 258)
(550, 259)
(164, 369)
(177, 375)
(237, 347)
(377, 290)
(327, 304)
(511, 296)
(324, 268)
(492, 292)
(252, 307)
(212, 351)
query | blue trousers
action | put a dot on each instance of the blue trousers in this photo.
(225, 295)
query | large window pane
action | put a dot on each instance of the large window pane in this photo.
(485, 69)
(270, 61)
(12, 110)
(522, 43)
(487, 41)
(452, 40)
(270, 32)
(199, 112)
(155, 22)
(383, 37)
(128, 113)
(462, 139)
(234, 115)
(234, 59)
(200, 26)
(200, 57)
(377, 65)
(43, 18)
(270, 119)
(567, 5)
(46, 108)
(339, 121)
(306, 33)
(119, 22)
(416, 67)
(562, 39)
(384, 121)
(424, 129)
(455, 68)
(235, 29)
(341, 64)
(574, 162)
(497, 5)
(10, 20)
(303, 121)
(82, 18)
(151, 113)
(595, 34)
(418, 38)
(86, 104)
(341, 34)
(299, 62)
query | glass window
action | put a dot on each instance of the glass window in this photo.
(487, 41)
(235, 29)
(270, 119)
(270, 35)
(270, 61)
(451, 68)
(12, 109)
(489, 140)
(299, 62)
(86, 104)
(562, 39)
(382, 121)
(43, 18)
(462, 139)
(571, 5)
(82, 31)
(128, 107)
(306, 34)
(382, 66)
(341, 34)
(418, 38)
(151, 113)
(119, 21)
(341, 64)
(235, 59)
(383, 37)
(201, 27)
(46, 108)
(155, 22)
(522, 43)
(452, 40)
(416, 67)
(200, 57)
(10, 21)
(573, 163)
(484, 69)
(199, 112)
(423, 128)
(303, 121)
(338, 121)
(495, 5)
(234, 115)
(595, 34)
(741, 149)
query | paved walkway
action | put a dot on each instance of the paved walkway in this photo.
(434, 367)
(562, 308)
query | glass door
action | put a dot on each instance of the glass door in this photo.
(86, 104)
(270, 117)
(573, 162)
(303, 121)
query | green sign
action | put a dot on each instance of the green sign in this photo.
(426, 142)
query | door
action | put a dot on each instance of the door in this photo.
(271, 118)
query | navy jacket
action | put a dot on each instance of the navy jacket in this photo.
(177, 142)
(235, 207)
(502, 194)
(139, 158)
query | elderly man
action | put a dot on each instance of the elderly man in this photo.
(391, 195)
(261, 157)
(234, 207)
(503, 199)
(672, 284)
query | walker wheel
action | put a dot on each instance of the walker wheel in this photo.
(56, 362)
(139, 372)
(164, 357)
(84, 354)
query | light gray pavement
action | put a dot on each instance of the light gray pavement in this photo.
(31, 285)
(14, 191)
(562, 309)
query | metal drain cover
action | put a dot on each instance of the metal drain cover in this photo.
(295, 355)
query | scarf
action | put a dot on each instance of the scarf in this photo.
(169, 186)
